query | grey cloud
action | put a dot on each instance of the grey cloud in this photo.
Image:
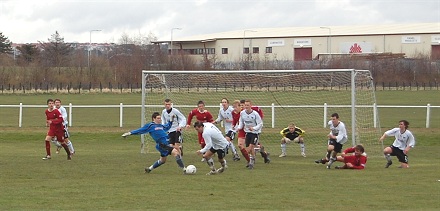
(116, 17)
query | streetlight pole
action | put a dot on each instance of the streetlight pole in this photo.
(244, 36)
(90, 46)
(329, 39)
(171, 42)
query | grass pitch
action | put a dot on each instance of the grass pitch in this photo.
(107, 171)
(107, 174)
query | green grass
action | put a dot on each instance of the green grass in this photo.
(388, 116)
(107, 171)
(107, 174)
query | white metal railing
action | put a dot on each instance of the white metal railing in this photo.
(325, 107)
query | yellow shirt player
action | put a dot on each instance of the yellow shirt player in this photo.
(295, 134)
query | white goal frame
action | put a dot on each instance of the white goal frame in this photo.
(353, 73)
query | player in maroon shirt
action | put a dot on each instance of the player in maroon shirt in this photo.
(240, 133)
(202, 115)
(54, 120)
(357, 159)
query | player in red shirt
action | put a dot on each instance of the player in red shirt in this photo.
(54, 120)
(202, 115)
(357, 160)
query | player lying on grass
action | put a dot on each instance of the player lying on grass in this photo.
(158, 132)
(353, 158)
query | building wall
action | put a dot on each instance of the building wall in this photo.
(283, 48)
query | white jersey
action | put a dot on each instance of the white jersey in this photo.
(223, 115)
(64, 114)
(252, 119)
(403, 140)
(339, 131)
(213, 138)
(179, 119)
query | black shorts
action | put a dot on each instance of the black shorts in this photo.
(251, 138)
(230, 134)
(337, 147)
(292, 136)
(66, 133)
(175, 137)
(399, 154)
(221, 153)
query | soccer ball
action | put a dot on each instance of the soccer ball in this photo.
(191, 169)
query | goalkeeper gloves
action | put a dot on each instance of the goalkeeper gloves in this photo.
(126, 134)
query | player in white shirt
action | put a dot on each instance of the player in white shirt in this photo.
(225, 115)
(336, 139)
(252, 124)
(403, 142)
(170, 114)
(215, 143)
(66, 132)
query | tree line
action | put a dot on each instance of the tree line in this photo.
(56, 62)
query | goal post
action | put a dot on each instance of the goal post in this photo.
(304, 97)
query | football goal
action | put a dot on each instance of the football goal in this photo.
(304, 97)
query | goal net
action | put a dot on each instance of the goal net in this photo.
(304, 97)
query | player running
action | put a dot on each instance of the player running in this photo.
(215, 143)
(54, 120)
(175, 132)
(159, 134)
(225, 114)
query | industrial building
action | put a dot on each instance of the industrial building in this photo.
(308, 43)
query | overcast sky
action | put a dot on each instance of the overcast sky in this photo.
(36, 20)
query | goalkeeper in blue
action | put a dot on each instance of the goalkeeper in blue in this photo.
(159, 134)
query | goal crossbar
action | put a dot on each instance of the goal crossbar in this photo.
(352, 72)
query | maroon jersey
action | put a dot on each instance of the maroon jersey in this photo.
(201, 117)
(235, 118)
(258, 110)
(56, 118)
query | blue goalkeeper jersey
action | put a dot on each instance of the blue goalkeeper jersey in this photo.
(157, 131)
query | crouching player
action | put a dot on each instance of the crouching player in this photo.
(295, 134)
(159, 134)
(357, 159)
(215, 143)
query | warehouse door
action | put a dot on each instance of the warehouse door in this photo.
(435, 52)
(301, 54)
